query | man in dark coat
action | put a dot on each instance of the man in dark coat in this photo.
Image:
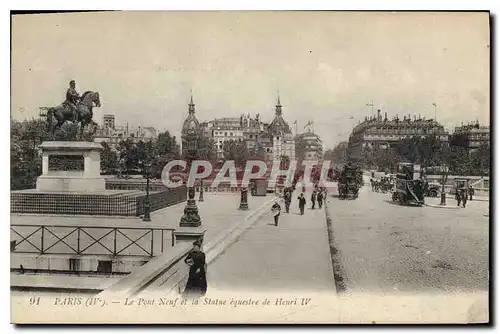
(288, 200)
(319, 197)
(471, 193)
(196, 285)
(313, 199)
(302, 203)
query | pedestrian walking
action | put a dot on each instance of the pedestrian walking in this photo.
(288, 200)
(320, 199)
(471, 192)
(302, 203)
(276, 210)
(313, 199)
(464, 197)
(196, 285)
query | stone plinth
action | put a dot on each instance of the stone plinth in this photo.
(71, 166)
(191, 218)
(189, 234)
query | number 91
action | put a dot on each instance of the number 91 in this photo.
(34, 301)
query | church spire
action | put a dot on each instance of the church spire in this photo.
(191, 104)
(278, 105)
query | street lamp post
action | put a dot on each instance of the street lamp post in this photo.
(244, 199)
(191, 217)
(444, 173)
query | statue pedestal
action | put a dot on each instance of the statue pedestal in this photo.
(71, 166)
(189, 234)
(191, 218)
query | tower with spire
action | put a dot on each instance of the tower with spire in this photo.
(281, 134)
(190, 132)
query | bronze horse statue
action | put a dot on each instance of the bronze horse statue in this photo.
(83, 114)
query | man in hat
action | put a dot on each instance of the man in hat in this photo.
(302, 203)
(313, 199)
(319, 197)
(471, 192)
(288, 200)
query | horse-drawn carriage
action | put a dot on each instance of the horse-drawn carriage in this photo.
(384, 185)
(351, 179)
(409, 189)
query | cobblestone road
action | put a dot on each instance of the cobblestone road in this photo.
(384, 247)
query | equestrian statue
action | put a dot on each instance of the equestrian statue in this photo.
(75, 109)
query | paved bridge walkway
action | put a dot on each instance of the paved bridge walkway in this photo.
(294, 256)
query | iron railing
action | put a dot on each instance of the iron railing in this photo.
(109, 240)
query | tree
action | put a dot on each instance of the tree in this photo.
(236, 151)
(167, 147)
(428, 150)
(481, 161)
(109, 159)
(206, 149)
(126, 152)
(419, 150)
(26, 162)
(338, 155)
(458, 160)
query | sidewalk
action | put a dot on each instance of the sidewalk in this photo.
(451, 203)
(294, 256)
(218, 212)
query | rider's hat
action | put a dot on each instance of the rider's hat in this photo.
(72, 81)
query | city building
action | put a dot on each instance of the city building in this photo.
(308, 146)
(273, 140)
(473, 135)
(113, 134)
(222, 130)
(108, 121)
(377, 132)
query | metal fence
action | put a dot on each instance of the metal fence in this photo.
(94, 204)
(94, 240)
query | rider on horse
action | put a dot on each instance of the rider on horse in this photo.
(72, 98)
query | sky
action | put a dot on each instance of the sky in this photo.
(327, 66)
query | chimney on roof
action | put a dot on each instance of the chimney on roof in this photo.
(378, 115)
(385, 116)
(404, 118)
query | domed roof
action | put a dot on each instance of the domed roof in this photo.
(191, 125)
(279, 125)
